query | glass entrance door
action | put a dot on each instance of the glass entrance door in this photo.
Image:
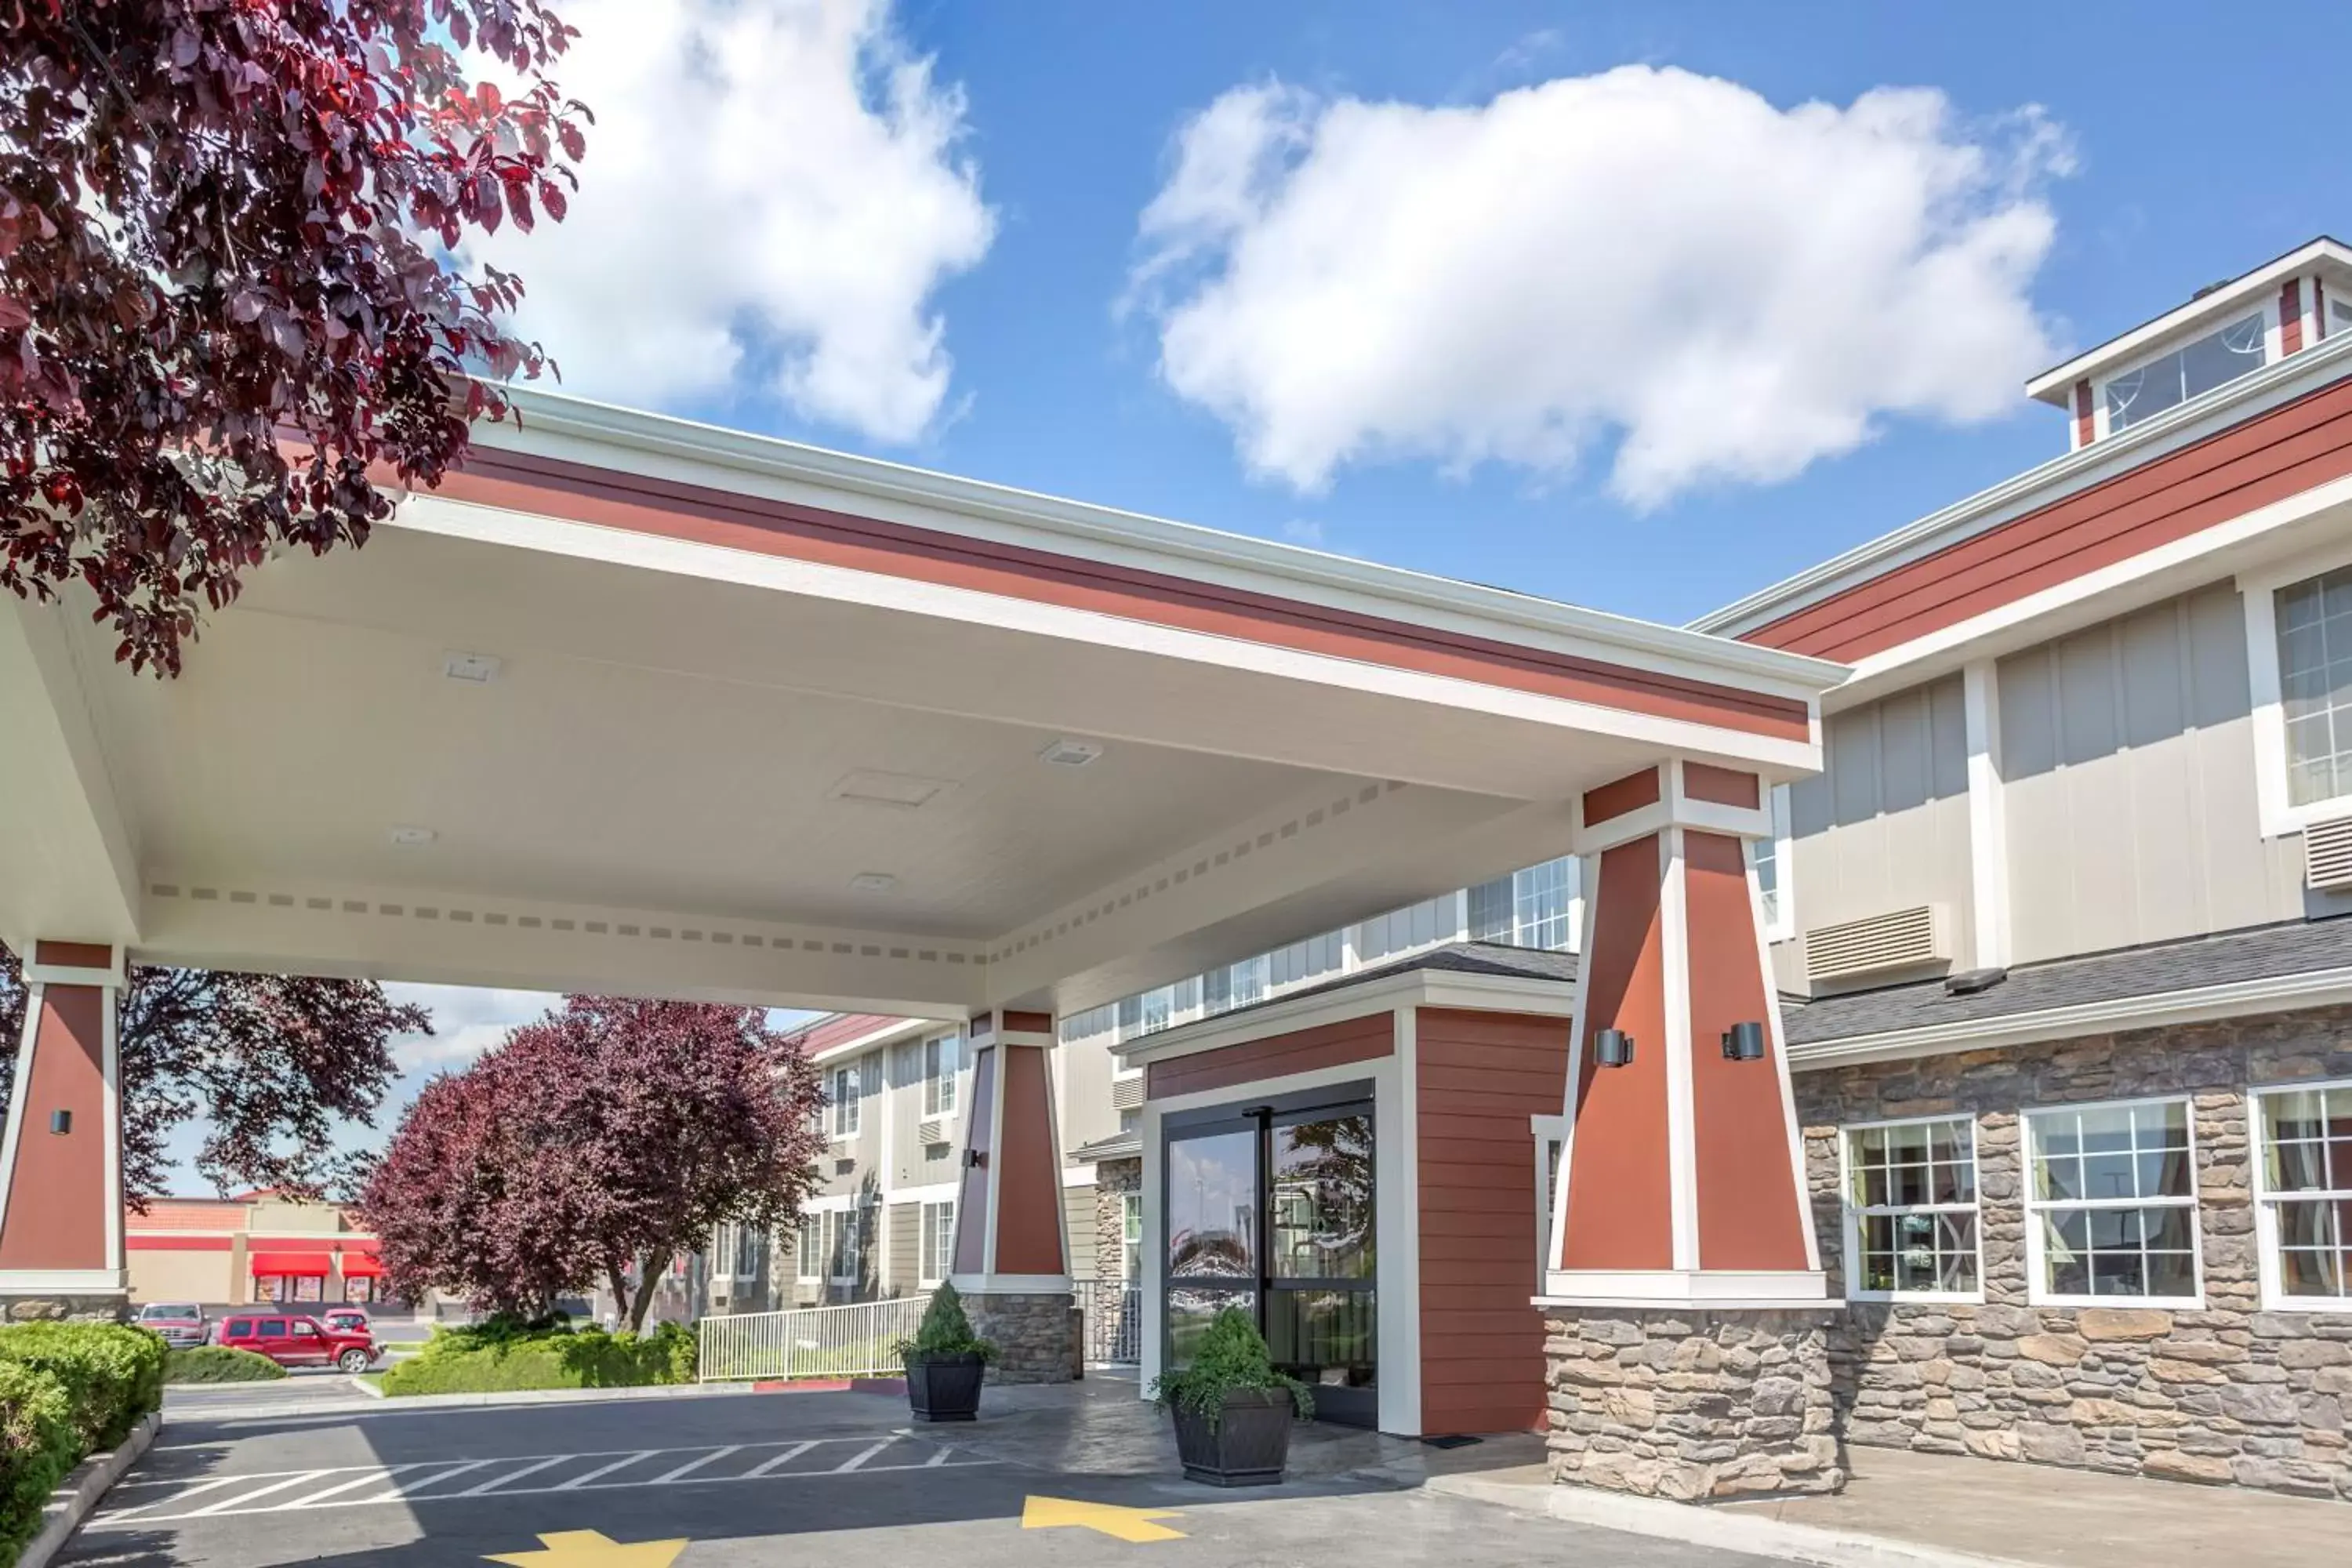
(1273, 1212)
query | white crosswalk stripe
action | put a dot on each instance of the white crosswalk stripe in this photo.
(423, 1481)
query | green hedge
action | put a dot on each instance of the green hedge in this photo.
(37, 1447)
(502, 1358)
(113, 1373)
(219, 1364)
(67, 1390)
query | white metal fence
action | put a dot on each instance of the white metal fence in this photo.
(855, 1341)
(1114, 1320)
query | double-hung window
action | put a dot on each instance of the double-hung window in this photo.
(842, 1090)
(2303, 1195)
(2315, 674)
(1911, 1215)
(2111, 1204)
(939, 1241)
(942, 1058)
(808, 1252)
(1130, 1252)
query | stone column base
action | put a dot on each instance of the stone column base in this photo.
(1691, 1405)
(113, 1307)
(1037, 1335)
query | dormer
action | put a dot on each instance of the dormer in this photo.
(2227, 330)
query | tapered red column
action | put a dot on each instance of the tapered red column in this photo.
(1012, 1254)
(1684, 1171)
(61, 1249)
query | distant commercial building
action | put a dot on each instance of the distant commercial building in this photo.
(254, 1247)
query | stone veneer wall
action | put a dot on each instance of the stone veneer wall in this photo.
(1692, 1405)
(1035, 1337)
(2229, 1393)
(65, 1308)
(1114, 1323)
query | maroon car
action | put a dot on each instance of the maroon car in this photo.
(181, 1323)
(293, 1339)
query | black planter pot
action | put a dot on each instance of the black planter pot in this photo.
(946, 1388)
(1247, 1448)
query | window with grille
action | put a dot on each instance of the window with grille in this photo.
(2303, 1195)
(938, 1240)
(2111, 1204)
(2315, 657)
(2218, 358)
(1911, 1217)
(845, 1093)
(942, 1059)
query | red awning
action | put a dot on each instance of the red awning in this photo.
(299, 1265)
(360, 1265)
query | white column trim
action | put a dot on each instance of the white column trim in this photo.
(1396, 1190)
(1153, 1250)
(1589, 875)
(17, 1099)
(111, 1065)
(1772, 1022)
(992, 1179)
(1682, 1119)
(1988, 814)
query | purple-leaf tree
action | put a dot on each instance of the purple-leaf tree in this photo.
(227, 296)
(273, 1062)
(603, 1140)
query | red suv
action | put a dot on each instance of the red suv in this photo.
(290, 1339)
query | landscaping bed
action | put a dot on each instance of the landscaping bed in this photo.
(67, 1391)
(219, 1364)
(501, 1357)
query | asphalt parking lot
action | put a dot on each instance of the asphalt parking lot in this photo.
(767, 1478)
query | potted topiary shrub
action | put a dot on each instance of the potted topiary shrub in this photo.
(1233, 1409)
(945, 1361)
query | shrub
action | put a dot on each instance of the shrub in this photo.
(37, 1447)
(944, 1331)
(1231, 1358)
(113, 1373)
(499, 1358)
(219, 1364)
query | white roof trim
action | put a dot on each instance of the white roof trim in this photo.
(2238, 998)
(2053, 385)
(1384, 994)
(661, 445)
(2254, 392)
(898, 1029)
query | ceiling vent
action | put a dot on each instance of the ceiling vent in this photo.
(872, 882)
(1067, 753)
(2327, 856)
(473, 668)
(1904, 938)
(900, 791)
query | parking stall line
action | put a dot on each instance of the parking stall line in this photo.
(403, 1492)
(369, 1479)
(239, 1501)
(497, 1481)
(576, 1482)
(780, 1461)
(197, 1490)
(693, 1465)
(857, 1461)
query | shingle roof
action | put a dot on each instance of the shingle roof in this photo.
(2263, 953)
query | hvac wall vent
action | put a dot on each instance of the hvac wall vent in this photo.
(933, 1132)
(1904, 938)
(1126, 1093)
(2327, 856)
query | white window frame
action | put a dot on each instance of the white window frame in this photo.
(845, 1088)
(2273, 345)
(847, 1217)
(2273, 1276)
(943, 1093)
(2039, 1295)
(808, 1249)
(930, 1247)
(1130, 1268)
(1780, 925)
(2258, 593)
(1853, 1213)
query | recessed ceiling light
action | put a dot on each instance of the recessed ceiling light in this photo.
(473, 668)
(410, 837)
(901, 792)
(873, 881)
(1067, 753)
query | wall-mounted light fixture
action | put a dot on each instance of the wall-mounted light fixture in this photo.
(975, 1158)
(1612, 1047)
(1744, 1043)
(60, 1121)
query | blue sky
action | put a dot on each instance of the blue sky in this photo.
(1641, 306)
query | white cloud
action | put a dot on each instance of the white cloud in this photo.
(1735, 289)
(466, 1021)
(773, 192)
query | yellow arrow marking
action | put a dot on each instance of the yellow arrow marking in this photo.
(1108, 1519)
(594, 1549)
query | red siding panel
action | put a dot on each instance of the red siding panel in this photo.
(1620, 1192)
(1302, 1050)
(2086, 418)
(56, 1197)
(1607, 802)
(2264, 459)
(2290, 316)
(1480, 1076)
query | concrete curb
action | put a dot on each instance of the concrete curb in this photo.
(372, 1389)
(72, 1502)
(1715, 1527)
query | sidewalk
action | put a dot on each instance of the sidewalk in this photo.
(1902, 1510)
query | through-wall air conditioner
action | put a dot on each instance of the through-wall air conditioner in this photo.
(2327, 856)
(1902, 939)
(935, 1131)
